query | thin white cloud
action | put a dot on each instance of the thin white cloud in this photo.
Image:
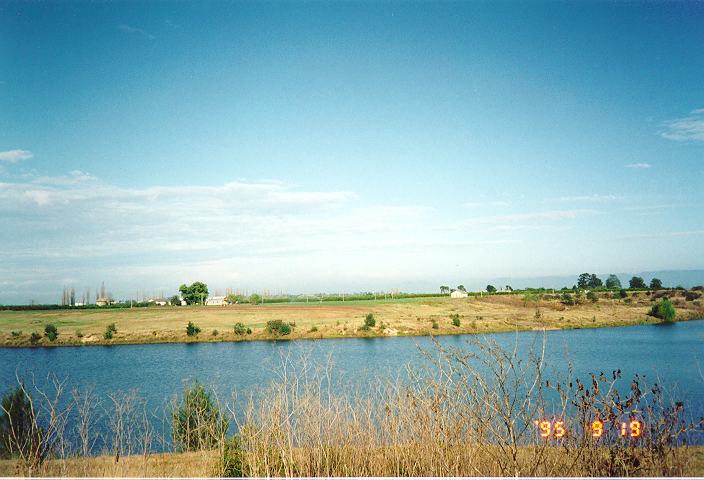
(638, 165)
(685, 129)
(646, 236)
(591, 198)
(135, 31)
(14, 156)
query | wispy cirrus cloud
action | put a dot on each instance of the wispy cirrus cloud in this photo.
(685, 129)
(639, 165)
(594, 198)
(135, 31)
(14, 156)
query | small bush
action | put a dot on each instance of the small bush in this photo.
(622, 293)
(192, 329)
(35, 337)
(592, 296)
(370, 321)
(196, 421)
(79, 334)
(278, 327)
(110, 332)
(19, 432)
(664, 310)
(249, 331)
(436, 325)
(240, 329)
(567, 299)
(455, 317)
(51, 332)
(232, 455)
(313, 329)
(16, 333)
(691, 296)
(215, 333)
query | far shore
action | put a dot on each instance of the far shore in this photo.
(404, 317)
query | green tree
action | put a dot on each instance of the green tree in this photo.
(461, 288)
(234, 298)
(664, 310)
(613, 282)
(175, 300)
(192, 329)
(594, 281)
(196, 421)
(583, 280)
(194, 294)
(656, 284)
(490, 288)
(19, 432)
(637, 282)
(444, 289)
(255, 298)
(51, 332)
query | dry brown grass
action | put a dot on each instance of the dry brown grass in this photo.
(486, 314)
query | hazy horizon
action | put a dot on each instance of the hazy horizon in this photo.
(327, 147)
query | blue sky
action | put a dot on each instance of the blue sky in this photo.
(345, 146)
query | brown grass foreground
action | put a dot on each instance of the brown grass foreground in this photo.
(207, 463)
(470, 412)
(416, 316)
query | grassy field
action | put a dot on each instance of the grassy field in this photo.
(414, 316)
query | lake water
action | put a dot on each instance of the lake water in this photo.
(674, 354)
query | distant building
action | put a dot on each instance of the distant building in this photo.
(219, 300)
(159, 301)
(103, 301)
(458, 294)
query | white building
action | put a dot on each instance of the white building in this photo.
(458, 294)
(220, 300)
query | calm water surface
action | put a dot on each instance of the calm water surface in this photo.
(673, 354)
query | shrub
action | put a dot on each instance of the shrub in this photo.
(249, 331)
(215, 333)
(19, 432)
(455, 317)
(314, 328)
(196, 421)
(370, 321)
(232, 455)
(691, 296)
(591, 295)
(664, 310)
(51, 332)
(436, 325)
(79, 334)
(566, 299)
(34, 337)
(110, 331)
(192, 329)
(278, 327)
(16, 333)
(240, 329)
(622, 293)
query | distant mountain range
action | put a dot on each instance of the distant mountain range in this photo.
(670, 278)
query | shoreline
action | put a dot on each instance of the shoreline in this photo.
(355, 335)
(400, 318)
